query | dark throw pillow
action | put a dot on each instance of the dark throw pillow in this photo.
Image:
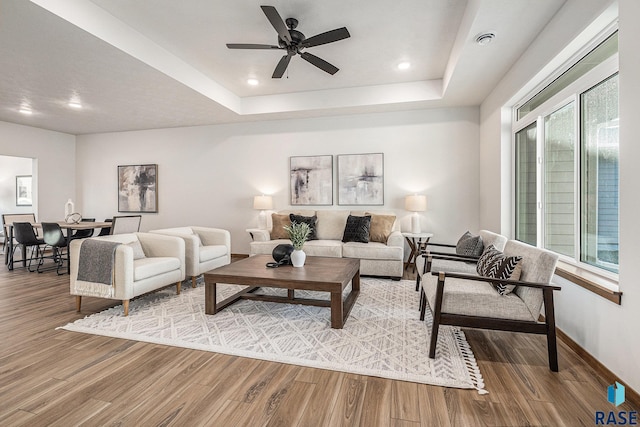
(357, 229)
(311, 220)
(469, 245)
(495, 264)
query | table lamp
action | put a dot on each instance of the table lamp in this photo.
(415, 203)
(262, 203)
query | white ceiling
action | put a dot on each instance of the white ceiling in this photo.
(147, 64)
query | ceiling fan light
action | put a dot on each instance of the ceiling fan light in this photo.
(485, 38)
(404, 65)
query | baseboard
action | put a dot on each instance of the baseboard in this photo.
(236, 257)
(630, 394)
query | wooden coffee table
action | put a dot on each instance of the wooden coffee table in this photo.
(318, 274)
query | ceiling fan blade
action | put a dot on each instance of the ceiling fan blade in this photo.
(251, 46)
(328, 37)
(318, 62)
(276, 21)
(281, 67)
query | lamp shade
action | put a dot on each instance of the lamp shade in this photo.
(415, 203)
(262, 202)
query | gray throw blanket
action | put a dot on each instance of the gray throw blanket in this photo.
(97, 259)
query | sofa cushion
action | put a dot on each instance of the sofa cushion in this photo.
(495, 264)
(212, 252)
(447, 265)
(311, 220)
(372, 250)
(279, 221)
(357, 229)
(381, 227)
(149, 267)
(474, 298)
(330, 224)
(328, 248)
(469, 245)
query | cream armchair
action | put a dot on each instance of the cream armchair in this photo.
(142, 262)
(205, 248)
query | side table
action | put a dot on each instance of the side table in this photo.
(416, 242)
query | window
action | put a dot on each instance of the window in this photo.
(599, 180)
(566, 162)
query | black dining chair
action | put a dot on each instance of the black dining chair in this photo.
(26, 237)
(82, 234)
(105, 231)
(55, 239)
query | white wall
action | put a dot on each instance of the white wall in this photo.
(208, 175)
(54, 174)
(10, 167)
(604, 329)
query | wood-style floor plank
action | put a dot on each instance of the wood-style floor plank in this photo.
(52, 377)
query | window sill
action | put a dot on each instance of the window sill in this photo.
(590, 281)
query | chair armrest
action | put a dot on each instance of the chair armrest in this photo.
(443, 245)
(396, 239)
(161, 245)
(258, 235)
(442, 275)
(450, 256)
(213, 236)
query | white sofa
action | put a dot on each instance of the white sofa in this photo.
(376, 258)
(144, 262)
(206, 248)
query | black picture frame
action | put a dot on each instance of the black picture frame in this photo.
(138, 188)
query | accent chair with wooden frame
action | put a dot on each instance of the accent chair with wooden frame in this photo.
(10, 219)
(472, 301)
(126, 224)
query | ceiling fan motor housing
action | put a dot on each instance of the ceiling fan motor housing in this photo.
(296, 38)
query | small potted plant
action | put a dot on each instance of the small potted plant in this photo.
(298, 233)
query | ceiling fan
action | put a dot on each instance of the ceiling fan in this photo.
(294, 42)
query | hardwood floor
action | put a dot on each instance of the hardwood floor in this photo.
(52, 377)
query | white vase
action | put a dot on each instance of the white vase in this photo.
(297, 257)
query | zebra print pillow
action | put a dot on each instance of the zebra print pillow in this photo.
(495, 264)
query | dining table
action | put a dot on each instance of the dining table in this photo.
(68, 227)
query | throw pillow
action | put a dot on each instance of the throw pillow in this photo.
(279, 221)
(311, 220)
(357, 229)
(469, 245)
(138, 253)
(381, 227)
(496, 265)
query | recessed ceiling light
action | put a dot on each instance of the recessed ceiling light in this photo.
(252, 82)
(75, 104)
(404, 65)
(25, 110)
(485, 38)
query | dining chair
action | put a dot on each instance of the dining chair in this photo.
(83, 234)
(10, 219)
(26, 237)
(105, 231)
(54, 238)
(126, 224)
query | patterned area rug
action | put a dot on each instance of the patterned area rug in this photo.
(382, 336)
